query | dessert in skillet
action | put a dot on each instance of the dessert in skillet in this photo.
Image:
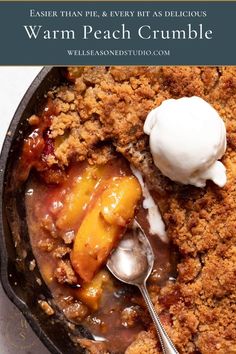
(117, 143)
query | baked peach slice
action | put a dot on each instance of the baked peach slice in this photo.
(104, 224)
(91, 293)
(80, 195)
(119, 200)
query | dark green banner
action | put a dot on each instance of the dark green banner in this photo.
(84, 33)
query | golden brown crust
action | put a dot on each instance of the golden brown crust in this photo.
(110, 105)
(145, 343)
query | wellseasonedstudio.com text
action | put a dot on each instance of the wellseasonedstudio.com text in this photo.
(122, 32)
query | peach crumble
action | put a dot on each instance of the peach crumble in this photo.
(81, 196)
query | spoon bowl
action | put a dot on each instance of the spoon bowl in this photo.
(132, 262)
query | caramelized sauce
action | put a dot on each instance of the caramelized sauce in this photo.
(44, 203)
(37, 145)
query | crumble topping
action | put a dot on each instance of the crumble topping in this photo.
(104, 111)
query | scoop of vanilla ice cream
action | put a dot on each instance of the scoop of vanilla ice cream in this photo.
(187, 137)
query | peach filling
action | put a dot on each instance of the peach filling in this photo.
(90, 212)
(90, 293)
(82, 191)
(104, 224)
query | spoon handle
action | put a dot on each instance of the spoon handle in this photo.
(166, 343)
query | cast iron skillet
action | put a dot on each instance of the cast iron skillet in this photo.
(21, 285)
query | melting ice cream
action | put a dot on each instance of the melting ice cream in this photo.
(187, 138)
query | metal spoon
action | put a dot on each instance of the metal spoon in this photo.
(132, 262)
